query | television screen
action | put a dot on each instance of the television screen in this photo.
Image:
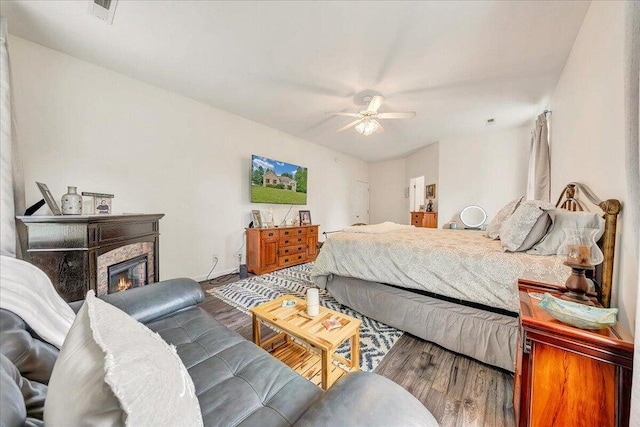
(273, 181)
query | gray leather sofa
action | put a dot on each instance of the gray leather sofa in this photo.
(237, 383)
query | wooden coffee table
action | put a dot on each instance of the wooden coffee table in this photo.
(313, 358)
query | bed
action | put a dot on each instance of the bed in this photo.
(455, 288)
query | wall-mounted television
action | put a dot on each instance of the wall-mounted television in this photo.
(273, 181)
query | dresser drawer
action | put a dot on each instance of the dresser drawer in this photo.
(293, 240)
(269, 234)
(294, 249)
(286, 260)
(291, 232)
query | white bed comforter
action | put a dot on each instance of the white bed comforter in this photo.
(453, 263)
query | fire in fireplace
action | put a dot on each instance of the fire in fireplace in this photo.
(131, 273)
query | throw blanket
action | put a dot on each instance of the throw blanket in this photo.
(27, 291)
(382, 228)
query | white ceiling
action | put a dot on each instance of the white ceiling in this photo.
(285, 64)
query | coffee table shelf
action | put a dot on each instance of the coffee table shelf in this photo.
(312, 349)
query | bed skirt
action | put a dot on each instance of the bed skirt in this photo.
(488, 337)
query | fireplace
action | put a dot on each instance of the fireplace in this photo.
(128, 274)
(76, 251)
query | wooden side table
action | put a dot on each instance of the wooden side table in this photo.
(295, 323)
(567, 376)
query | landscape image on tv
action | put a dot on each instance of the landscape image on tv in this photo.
(273, 181)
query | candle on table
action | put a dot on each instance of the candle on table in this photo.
(313, 302)
(578, 254)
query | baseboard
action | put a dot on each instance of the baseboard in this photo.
(215, 274)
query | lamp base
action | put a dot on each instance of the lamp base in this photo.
(578, 297)
(577, 284)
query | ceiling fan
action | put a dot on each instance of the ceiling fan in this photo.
(367, 120)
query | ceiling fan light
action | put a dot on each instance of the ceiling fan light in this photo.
(367, 127)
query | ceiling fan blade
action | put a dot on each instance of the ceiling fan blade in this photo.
(350, 125)
(375, 103)
(380, 128)
(346, 114)
(407, 115)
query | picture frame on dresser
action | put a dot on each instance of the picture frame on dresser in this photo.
(256, 218)
(305, 217)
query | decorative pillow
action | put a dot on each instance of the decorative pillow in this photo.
(528, 224)
(564, 219)
(113, 370)
(493, 229)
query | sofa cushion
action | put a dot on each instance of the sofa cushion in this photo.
(33, 358)
(21, 400)
(116, 371)
(237, 383)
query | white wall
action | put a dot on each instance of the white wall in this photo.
(588, 133)
(424, 162)
(83, 125)
(487, 170)
(387, 184)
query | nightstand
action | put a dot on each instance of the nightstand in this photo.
(566, 376)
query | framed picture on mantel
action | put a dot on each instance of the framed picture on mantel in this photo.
(51, 202)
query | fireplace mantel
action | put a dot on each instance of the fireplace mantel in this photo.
(68, 247)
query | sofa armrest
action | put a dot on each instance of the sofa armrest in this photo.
(366, 399)
(157, 300)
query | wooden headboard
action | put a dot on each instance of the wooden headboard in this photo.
(573, 198)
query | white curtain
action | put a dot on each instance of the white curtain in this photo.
(632, 156)
(539, 178)
(11, 183)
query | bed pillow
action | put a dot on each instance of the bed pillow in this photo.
(564, 219)
(526, 226)
(493, 229)
(116, 371)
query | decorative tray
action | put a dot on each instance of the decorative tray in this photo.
(578, 315)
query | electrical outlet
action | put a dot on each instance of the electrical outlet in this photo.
(239, 258)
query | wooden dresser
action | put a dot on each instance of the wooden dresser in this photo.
(566, 376)
(270, 249)
(424, 219)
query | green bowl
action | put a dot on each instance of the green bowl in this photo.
(578, 315)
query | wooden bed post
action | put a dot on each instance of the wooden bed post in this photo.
(570, 200)
(611, 210)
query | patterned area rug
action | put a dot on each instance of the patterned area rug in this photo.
(376, 339)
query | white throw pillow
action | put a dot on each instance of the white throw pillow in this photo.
(527, 226)
(113, 370)
(564, 219)
(493, 229)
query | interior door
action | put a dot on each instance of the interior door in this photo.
(361, 202)
(416, 193)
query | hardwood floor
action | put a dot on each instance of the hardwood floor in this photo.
(457, 390)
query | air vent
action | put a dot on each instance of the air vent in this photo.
(103, 9)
